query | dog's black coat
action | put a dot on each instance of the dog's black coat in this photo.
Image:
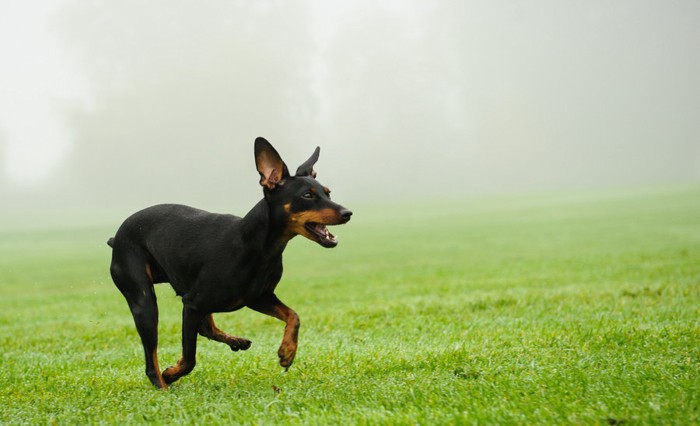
(218, 262)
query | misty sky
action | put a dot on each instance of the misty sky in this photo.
(133, 103)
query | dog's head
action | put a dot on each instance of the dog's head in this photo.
(301, 199)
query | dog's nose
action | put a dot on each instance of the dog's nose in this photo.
(345, 214)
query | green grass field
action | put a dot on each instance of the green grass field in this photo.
(572, 308)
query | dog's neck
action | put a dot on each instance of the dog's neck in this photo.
(263, 224)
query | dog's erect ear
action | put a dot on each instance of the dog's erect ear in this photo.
(307, 169)
(272, 169)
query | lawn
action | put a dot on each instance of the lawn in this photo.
(575, 308)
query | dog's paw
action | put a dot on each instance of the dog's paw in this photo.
(171, 374)
(174, 372)
(240, 343)
(286, 353)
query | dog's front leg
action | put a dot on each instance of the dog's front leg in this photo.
(191, 320)
(269, 304)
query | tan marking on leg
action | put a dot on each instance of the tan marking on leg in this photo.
(154, 357)
(149, 273)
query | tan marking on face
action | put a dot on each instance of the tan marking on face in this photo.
(297, 221)
(287, 207)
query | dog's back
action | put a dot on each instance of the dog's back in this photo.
(175, 241)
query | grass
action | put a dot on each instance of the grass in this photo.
(574, 309)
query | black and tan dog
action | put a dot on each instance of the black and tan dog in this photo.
(221, 263)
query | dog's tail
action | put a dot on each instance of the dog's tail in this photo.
(110, 242)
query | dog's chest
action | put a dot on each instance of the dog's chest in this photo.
(232, 291)
(264, 281)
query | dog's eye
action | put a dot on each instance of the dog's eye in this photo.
(308, 195)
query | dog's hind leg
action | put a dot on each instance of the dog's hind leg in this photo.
(209, 330)
(131, 276)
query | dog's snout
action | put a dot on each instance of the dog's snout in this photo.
(345, 215)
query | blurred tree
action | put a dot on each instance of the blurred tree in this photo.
(470, 96)
(517, 96)
(181, 90)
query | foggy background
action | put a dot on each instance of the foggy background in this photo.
(111, 106)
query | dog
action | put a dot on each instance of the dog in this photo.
(219, 262)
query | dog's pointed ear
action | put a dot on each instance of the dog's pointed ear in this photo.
(272, 169)
(307, 169)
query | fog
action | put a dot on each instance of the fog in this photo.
(117, 105)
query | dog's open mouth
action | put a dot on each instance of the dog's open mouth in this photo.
(321, 233)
